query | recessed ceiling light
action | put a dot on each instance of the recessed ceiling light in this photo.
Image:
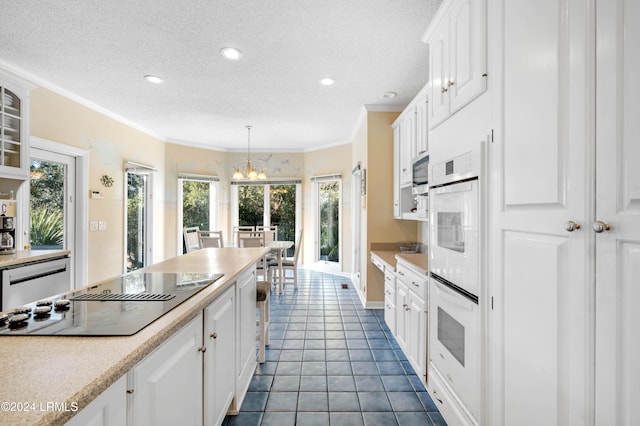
(231, 53)
(327, 81)
(389, 95)
(153, 79)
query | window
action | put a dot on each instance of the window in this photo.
(275, 202)
(197, 204)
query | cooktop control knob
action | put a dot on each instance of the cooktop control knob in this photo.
(3, 319)
(41, 311)
(23, 310)
(44, 303)
(18, 320)
(62, 304)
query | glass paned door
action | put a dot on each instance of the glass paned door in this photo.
(329, 221)
(47, 194)
(196, 204)
(282, 209)
(251, 205)
(137, 220)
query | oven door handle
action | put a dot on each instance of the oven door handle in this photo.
(453, 297)
(454, 187)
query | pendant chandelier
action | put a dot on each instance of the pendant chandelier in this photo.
(252, 174)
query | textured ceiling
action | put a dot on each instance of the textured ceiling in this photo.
(100, 50)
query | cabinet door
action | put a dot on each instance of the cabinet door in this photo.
(467, 52)
(246, 326)
(618, 204)
(407, 147)
(417, 335)
(439, 73)
(14, 129)
(422, 113)
(167, 384)
(396, 173)
(108, 409)
(402, 317)
(545, 346)
(219, 359)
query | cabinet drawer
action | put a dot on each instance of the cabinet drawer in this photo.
(377, 262)
(414, 280)
(390, 284)
(446, 402)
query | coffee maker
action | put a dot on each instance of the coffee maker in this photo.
(7, 226)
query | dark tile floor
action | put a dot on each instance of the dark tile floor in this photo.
(332, 362)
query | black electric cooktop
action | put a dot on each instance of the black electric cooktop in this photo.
(118, 307)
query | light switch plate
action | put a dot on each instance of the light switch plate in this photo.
(93, 225)
(102, 225)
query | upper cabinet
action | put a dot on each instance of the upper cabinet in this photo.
(457, 57)
(14, 129)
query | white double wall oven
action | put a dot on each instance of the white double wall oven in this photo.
(455, 279)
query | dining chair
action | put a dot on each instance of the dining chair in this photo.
(211, 239)
(237, 228)
(253, 239)
(288, 265)
(191, 238)
(270, 232)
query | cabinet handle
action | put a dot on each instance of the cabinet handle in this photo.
(214, 335)
(450, 83)
(443, 90)
(401, 273)
(202, 349)
(413, 282)
(571, 226)
(407, 308)
(600, 226)
(129, 391)
(436, 397)
(388, 306)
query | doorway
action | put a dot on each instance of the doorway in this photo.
(54, 205)
(328, 222)
(138, 220)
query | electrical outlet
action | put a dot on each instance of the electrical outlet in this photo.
(93, 225)
(102, 225)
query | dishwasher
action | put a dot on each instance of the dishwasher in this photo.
(29, 282)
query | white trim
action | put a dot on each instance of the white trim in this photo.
(374, 305)
(384, 108)
(79, 253)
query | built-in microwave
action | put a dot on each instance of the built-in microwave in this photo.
(421, 174)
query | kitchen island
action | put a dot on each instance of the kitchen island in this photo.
(48, 379)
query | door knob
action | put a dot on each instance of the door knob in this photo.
(571, 226)
(600, 226)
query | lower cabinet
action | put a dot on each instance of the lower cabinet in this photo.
(246, 335)
(165, 388)
(219, 357)
(411, 317)
(108, 409)
(390, 300)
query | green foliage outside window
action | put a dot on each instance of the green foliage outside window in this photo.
(46, 205)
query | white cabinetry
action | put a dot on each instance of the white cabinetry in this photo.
(108, 409)
(457, 57)
(569, 104)
(166, 387)
(246, 334)
(14, 128)
(412, 316)
(219, 358)
(407, 146)
(390, 299)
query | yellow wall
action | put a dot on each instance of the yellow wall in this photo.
(335, 160)
(110, 143)
(374, 148)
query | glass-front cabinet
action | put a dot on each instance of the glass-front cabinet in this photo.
(14, 133)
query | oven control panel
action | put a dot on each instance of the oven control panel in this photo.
(460, 167)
